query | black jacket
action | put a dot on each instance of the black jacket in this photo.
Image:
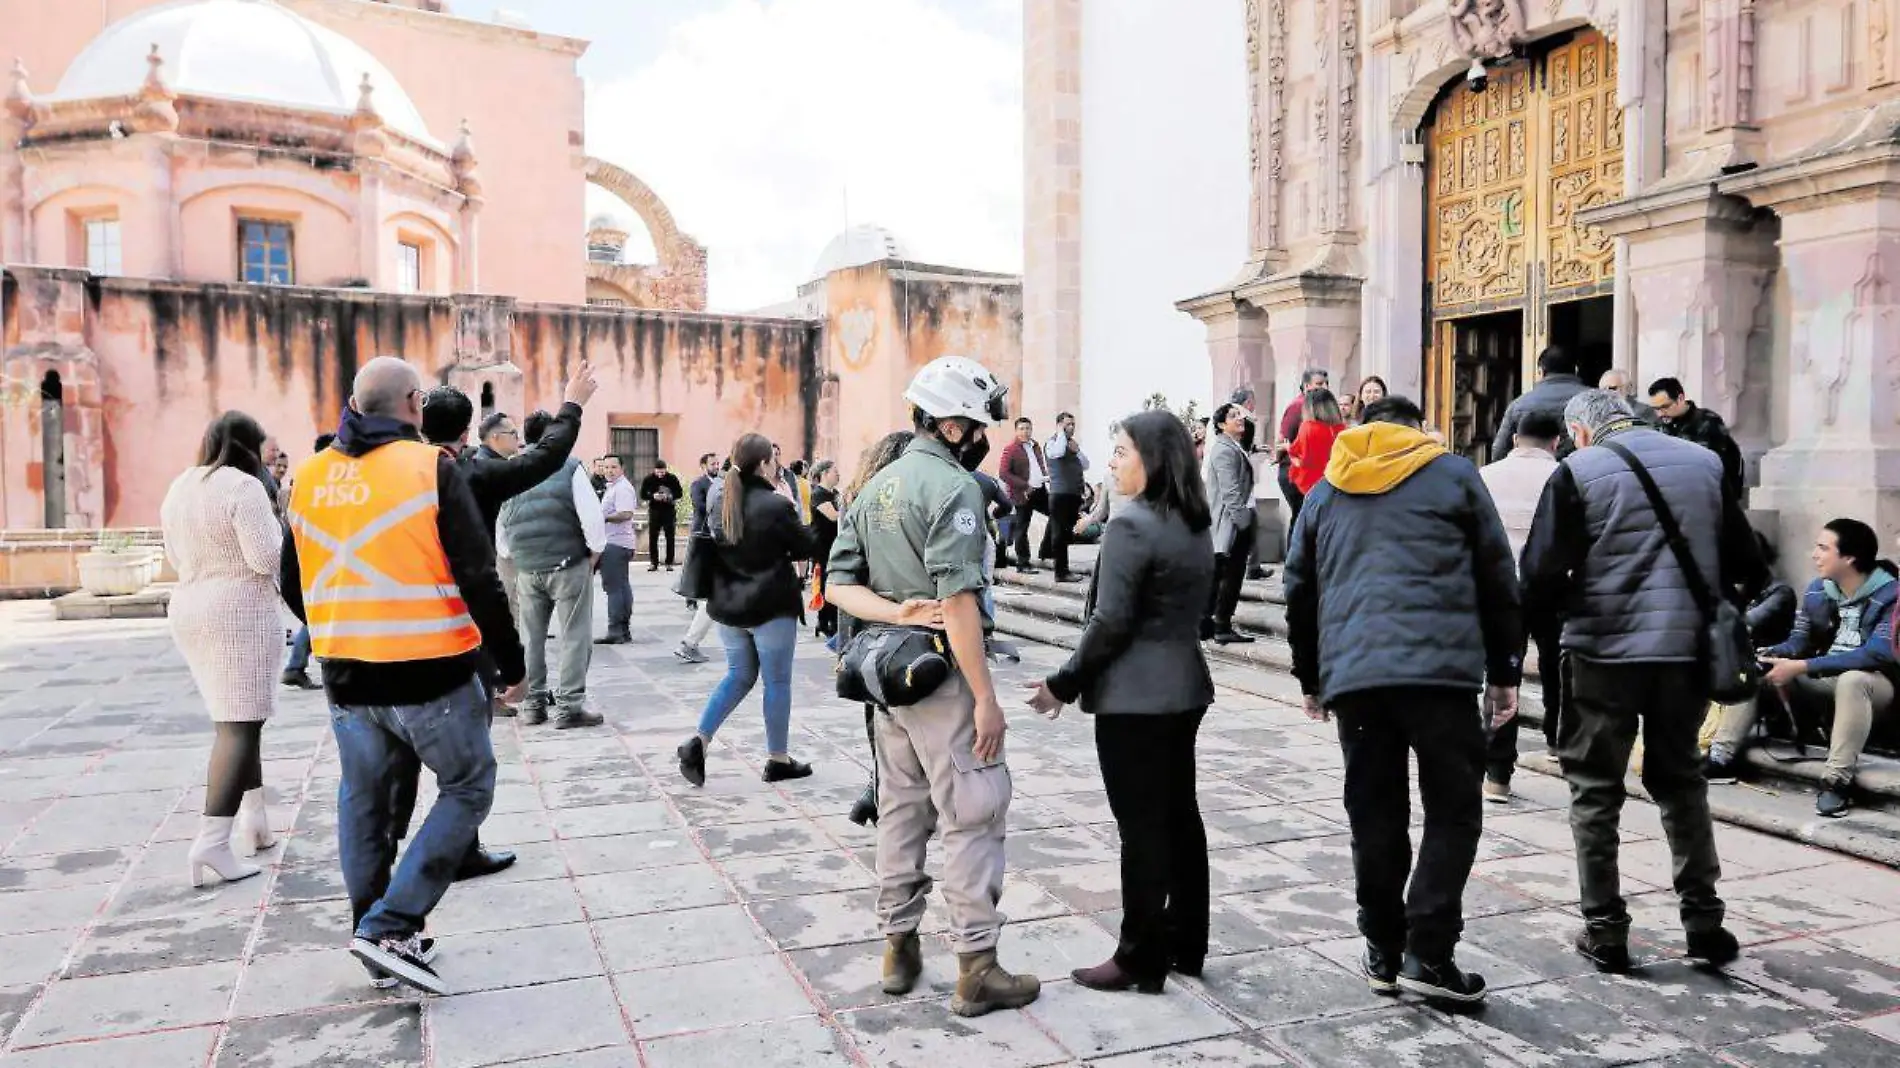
(1708, 430)
(495, 478)
(470, 549)
(653, 484)
(1140, 651)
(1549, 395)
(1401, 580)
(700, 488)
(753, 581)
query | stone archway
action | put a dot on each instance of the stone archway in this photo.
(678, 281)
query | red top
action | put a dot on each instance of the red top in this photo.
(1311, 452)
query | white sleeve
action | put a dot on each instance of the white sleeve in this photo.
(1058, 446)
(588, 507)
(502, 552)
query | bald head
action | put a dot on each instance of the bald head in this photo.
(387, 386)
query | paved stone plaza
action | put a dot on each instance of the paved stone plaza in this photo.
(652, 924)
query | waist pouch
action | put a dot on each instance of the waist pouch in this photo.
(892, 667)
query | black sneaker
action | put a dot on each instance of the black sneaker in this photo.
(781, 770)
(1441, 982)
(299, 680)
(532, 716)
(402, 959)
(1609, 957)
(1232, 637)
(1720, 772)
(692, 754)
(1382, 969)
(1714, 948)
(1834, 801)
(567, 721)
(382, 980)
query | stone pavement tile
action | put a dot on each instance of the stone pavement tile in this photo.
(123, 1004)
(797, 874)
(608, 764)
(1656, 921)
(310, 884)
(1057, 847)
(1022, 901)
(1402, 1037)
(164, 1049)
(157, 898)
(162, 860)
(719, 810)
(685, 936)
(1794, 901)
(682, 886)
(1549, 833)
(148, 945)
(1051, 949)
(314, 925)
(497, 959)
(56, 871)
(849, 976)
(498, 1026)
(1084, 888)
(1880, 942)
(1229, 931)
(513, 798)
(1265, 825)
(479, 905)
(278, 983)
(1303, 913)
(1483, 897)
(1499, 973)
(820, 919)
(26, 911)
(587, 793)
(1756, 853)
(515, 827)
(1551, 1025)
(1822, 977)
(1301, 786)
(628, 852)
(801, 1043)
(765, 839)
(1329, 858)
(1706, 1008)
(1550, 877)
(1088, 806)
(379, 1036)
(1887, 1027)
(1249, 869)
(724, 993)
(1280, 986)
(1237, 1051)
(78, 823)
(534, 861)
(609, 1057)
(1091, 1023)
(33, 958)
(1840, 1046)
(926, 1034)
(13, 1003)
(1538, 941)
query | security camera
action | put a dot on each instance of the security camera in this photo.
(1476, 77)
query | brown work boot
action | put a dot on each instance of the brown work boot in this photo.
(903, 962)
(983, 986)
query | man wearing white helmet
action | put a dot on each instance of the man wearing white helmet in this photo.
(910, 554)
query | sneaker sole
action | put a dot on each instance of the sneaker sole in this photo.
(397, 968)
(389, 982)
(1432, 992)
(1497, 799)
(1381, 986)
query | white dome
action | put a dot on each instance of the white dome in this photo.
(251, 50)
(607, 222)
(858, 246)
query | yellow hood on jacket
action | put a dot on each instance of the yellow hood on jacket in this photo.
(1376, 457)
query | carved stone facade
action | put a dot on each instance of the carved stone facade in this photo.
(1705, 190)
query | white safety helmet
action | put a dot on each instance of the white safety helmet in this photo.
(951, 386)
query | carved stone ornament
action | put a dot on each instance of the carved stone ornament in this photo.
(1486, 29)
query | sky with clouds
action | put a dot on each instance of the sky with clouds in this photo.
(767, 125)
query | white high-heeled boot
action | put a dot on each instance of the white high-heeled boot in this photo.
(213, 850)
(253, 834)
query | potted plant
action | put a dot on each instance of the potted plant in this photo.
(116, 567)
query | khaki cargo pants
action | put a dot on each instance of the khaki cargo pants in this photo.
(929, 779)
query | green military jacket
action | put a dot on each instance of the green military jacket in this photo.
(916, 530)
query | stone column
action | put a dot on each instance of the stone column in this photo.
(1311, 321)
(484, 351)
(1052, 208)
(1236, 346)
(1840, 248)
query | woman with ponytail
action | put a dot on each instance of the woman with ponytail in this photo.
(756, 601)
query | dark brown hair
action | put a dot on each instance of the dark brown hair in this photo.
(749, 453)
(234, 440)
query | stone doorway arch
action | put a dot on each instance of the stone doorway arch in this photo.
(678, 281)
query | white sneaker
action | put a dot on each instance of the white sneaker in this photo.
(690, 654)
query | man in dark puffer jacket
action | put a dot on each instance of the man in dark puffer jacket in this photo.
(1402, 604)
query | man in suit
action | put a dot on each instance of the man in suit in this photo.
(1067, 480)
(1230, 496)
(1025, 474)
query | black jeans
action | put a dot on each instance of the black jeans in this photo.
(1501, 755)
(1606, 703)
(1230, 571)
(1036, 501)
(1294, 498)
(660, 522)
(1064, 510)
(1148, 773)
(614, 561)
(1377, 730)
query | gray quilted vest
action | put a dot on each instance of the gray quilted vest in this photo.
(544, 530)
(1631, 603)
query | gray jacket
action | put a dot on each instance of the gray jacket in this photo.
(544, 530)
(1549, 395)
(1597, 555)
(1140, 652)
(1229, 491)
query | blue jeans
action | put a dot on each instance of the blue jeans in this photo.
(613, 580)
(299, 659)
(748, 650)
(449, 735)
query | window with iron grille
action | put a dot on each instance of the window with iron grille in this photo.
(638, 448)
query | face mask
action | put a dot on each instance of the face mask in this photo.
(975, 446)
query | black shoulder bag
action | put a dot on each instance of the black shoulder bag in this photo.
(1727, 651)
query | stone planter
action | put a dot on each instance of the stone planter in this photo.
(116, 574)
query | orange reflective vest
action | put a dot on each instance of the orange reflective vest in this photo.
(376, 580)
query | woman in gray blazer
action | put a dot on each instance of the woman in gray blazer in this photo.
(1139, 670)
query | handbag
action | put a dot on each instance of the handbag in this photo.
(1727, 651)
(696, 572)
